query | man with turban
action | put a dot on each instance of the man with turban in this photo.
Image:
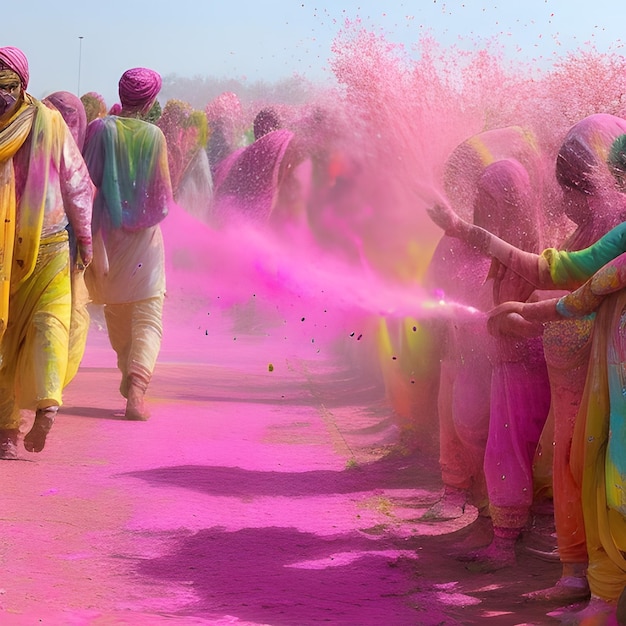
(127, 159)
(47, 185)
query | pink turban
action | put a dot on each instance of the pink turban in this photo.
(15, 60)
(138, 88)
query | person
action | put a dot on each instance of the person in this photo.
(127, 159)
(597, 447)
(476, 370)
(248, 181)
(225, 122)
(72, 110)
(94, 105)
(185, 132)
(518, 392)
(594, 204)
(48, 185)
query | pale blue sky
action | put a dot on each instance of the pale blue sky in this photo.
(272, 39)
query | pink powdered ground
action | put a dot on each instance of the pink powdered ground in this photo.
(251, 497)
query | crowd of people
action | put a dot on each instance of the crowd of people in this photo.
(553, 341)
(87, 189)
(530, 394)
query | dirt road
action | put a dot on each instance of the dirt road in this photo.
(266, 489)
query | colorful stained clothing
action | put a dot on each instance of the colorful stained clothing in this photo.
(249, 187)
(598, 455)
(185, 132)
(73, 112)
(566, 346)
(465, 353)
(127, 159)
(581, 165)
(520, 391)
(46, 183)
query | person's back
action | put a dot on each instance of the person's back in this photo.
(127, 159)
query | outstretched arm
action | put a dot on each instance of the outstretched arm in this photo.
(532, 267)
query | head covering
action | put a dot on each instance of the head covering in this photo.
(582, 159)
(250, 186)
(138, 88)
(266, 121)
(16, 60)
(72, 111)
(507, 204)
(94, 105)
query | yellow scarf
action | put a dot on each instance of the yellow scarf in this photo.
(17, 258)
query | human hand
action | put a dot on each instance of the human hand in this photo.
(449, 221)
(513, 325)
(504, 317)
(85, 252)
(442, 215)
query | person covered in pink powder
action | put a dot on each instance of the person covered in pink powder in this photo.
(592, 203)
(73, 112)
(127, 159)
(518, 393)
(47, 185)
(185, 131)
(457, 272)
(498, 187)
(248, 181)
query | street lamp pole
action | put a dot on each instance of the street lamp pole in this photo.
(80, 54)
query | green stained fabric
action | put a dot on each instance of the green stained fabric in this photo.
(572, 269)
(127, 159)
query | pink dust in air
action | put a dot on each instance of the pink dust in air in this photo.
(346, 256)
(373, 154)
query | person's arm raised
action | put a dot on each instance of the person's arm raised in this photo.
(532, 267)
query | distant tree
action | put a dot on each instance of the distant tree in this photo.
(200, 90)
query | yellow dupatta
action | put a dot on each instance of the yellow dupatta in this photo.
(18, 256)
(12, 137)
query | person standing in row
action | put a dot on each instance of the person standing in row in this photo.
(127, 160)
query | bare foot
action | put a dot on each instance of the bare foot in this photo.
(35, 439)
(480, 535)
(8, 443)
(135, 407)
(567, 590)
(451, 506)
(597, 613)
(500, 553)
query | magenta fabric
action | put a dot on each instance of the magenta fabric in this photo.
(250, 185)
(138, 87)
(73, 112)
(520, 389)
(16, 60)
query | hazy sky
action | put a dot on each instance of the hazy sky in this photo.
(272, 39)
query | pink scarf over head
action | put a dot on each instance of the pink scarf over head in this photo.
(250, 185)
(16, 60)
(72, 111)
(138, 88)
